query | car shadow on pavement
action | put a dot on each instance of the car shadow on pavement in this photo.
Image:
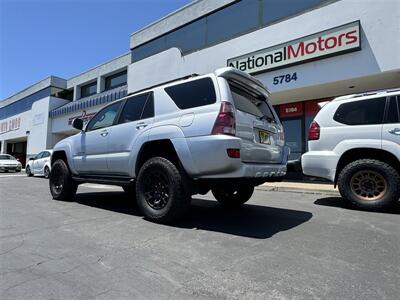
(340, 203)
(250, 220)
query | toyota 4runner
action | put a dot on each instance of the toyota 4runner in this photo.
(215, 132)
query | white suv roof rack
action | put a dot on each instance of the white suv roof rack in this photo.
(351, 96)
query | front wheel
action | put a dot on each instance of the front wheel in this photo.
(161, 191)
(28, 171)
(369, 184)
(233, 196)
(62, 186)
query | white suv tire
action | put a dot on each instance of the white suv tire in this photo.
(369, 184)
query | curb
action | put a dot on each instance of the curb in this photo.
(298, 190)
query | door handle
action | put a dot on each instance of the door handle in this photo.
(104, 133)
(141, 126)
(395, 131)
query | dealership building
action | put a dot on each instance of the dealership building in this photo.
(305, 52)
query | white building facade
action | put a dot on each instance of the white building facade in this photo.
(304, 51)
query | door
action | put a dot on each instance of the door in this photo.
(92, 144)
(39, 163)
(391, 128)
(135, 118)
(36, 163)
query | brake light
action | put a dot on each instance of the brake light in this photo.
(234, 153)
(225, 122)
(314, 131)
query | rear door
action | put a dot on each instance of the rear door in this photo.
(258, 126)
(135, 118)
(391, 128)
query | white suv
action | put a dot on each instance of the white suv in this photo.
(354, 141)
(215, 132)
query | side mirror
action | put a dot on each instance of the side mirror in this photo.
(31, 158)
(77, 123)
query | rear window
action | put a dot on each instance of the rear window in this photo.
(250, 104)
(363, 112)
(137, 107)
(193, 93)
(393, 111)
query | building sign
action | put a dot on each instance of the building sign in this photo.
(291, 110)
(85, 117)
(10, 125)
(334, 41)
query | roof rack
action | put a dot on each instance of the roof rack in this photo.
(369, 93)
(165, 82)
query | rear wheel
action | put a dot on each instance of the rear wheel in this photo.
(28, 171)
(161, 191)
(62, 186)
(369, 184)
(46, 172)
(233, 196)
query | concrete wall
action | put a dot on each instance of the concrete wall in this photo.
(380, 43)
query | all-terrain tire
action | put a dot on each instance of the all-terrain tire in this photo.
(233, 196)
(62, 186)
(359, 177)
(161, 191)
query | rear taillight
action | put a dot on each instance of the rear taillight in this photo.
(234, 153)
(225, 122)
(314, 131)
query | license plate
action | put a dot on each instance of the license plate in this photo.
(265, 138)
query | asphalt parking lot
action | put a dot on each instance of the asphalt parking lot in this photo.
(281, 245)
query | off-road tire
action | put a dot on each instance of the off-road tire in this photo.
(28, 171)
(172, 189)
(388, 175)
(46, 172)
(233, 197)
(62, 186)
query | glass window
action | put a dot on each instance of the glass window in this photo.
(393, 111)
(232, 20)
(45, 154)
(148, 49)
(5, 156)
(105, 117)
(188, 38)
(273, 10)
(193, 93)
(135, 107)
(293, 137)
(89, 89)
(39, 155)
(251, 105)
(362, 112)
(115, 80)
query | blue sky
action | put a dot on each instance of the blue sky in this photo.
(39, 38)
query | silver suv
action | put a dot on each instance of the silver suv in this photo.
(215, 132)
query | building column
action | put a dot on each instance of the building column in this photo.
(3, 146)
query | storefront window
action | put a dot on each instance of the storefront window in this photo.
(293, 137)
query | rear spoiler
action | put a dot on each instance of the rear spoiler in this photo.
(240, 77)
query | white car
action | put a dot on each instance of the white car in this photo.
(40, 164)
(354, 141)
(9, 163)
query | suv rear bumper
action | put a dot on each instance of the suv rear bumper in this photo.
(320, 164)
(209, 159)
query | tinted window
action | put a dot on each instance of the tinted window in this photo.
(89, 89)
(189, 37)
(5, 157)
(361, 112)
(193, 93)
(251, 105)
(233, 20)
(104, 118)
(135, 107)
(45, 154)
(393, 111)
(115, 80)
(149, 49)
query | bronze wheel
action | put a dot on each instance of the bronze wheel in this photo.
(368, 185)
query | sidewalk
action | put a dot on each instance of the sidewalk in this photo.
(312, 188)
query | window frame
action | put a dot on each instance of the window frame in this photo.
(120, 102)
(110, 77)
(88, 85)
(150, 96)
